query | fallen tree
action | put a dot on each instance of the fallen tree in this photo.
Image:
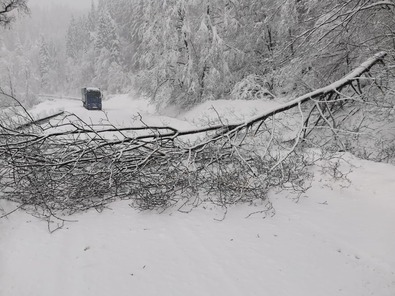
(70, 165)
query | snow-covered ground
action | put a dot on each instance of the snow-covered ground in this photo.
(338, 239)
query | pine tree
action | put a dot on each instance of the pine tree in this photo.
(44, 65)
(71, 39)
(92, 18)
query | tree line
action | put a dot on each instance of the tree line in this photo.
(186, 51)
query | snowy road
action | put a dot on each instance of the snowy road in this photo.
(335, 241)
(119, 110)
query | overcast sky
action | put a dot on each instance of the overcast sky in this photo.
(83, 4)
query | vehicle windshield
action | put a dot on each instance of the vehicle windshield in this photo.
(93, 95)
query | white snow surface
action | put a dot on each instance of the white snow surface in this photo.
(338, 239)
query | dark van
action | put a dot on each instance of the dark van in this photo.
(92, 98)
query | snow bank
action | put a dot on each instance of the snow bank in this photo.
(226, 111)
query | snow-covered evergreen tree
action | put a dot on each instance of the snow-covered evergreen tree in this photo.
(71, 39)
(45, 65)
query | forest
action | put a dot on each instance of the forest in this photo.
(185, 52)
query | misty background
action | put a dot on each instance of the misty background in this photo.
(76, 4)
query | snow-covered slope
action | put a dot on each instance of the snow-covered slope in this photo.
(226, 111)
(337, 240)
